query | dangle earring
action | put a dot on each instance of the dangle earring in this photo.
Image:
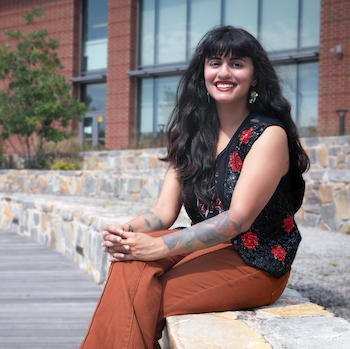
(208, 97)
(253, 96)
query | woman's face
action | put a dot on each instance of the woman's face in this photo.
(228, 79)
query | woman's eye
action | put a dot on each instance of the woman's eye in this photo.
(236, 64)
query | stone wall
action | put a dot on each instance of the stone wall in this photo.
(137, 175)
(131, 175)
(70, 225)
(327, 197)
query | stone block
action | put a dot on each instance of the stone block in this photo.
(315, 175)
(326, 193)
(73, 187)
(212, 330)
(332, 162)
(311, 219)
(34, 233)
(313, 208)
(312, 195)
(343, 204)
(68, 234)
(64, 187)
(341, 166)
(338, 175)
(90, 185)
(346, 148)
(133, 185)
(328, 213)
(341, 158)
(322, 155)
(333, 151)
(67, 214)
(312, 156)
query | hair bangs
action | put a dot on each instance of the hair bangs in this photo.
(225, 43)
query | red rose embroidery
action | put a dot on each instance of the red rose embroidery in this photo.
(246, 135)
(249, 240)
(288, 224)
(279, 253)
(216, 204)
(235, 162)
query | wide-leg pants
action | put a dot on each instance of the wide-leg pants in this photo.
(138, 296)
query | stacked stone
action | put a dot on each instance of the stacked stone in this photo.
(327, 202)
(72, 227)
(131, 175)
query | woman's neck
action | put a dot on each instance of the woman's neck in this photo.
(231, 117)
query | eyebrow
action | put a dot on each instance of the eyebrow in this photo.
(231, 58)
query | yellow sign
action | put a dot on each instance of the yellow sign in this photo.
(100, 119)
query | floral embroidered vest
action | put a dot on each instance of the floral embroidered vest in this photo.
(272, 240)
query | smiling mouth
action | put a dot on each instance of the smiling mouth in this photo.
(224, 85)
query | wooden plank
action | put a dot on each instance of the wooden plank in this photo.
(45, 300)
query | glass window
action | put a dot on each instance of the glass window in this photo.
(288, 76)
(146, 105)
(279, 24)
(308, 99)
(165, 88)
(87, 132)
(242, 14)
(101, 130)
(94, 96)
(310, 23)
(157, 102)
(95, 19)
(201, 20)
(147, 32)
(171, 33)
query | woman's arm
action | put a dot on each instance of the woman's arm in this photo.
(265, 164)
(163, 214)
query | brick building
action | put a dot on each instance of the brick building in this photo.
(125, 57)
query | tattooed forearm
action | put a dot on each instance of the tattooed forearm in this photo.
(211, 232)
(152, 221)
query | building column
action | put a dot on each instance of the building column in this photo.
(334, 66)
(121, 94)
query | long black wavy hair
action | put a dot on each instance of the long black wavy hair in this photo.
(192, 131)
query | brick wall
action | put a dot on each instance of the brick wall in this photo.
(334, 71)
(61, 19)
(120, 113)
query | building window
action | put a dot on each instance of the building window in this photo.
(94, 40)
(170, 31)
(157, 97)
(92, 128)
(92, 79)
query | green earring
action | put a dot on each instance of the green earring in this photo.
(253, 96)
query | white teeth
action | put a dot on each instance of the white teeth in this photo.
(224, 85)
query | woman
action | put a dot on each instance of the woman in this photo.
(235, 163)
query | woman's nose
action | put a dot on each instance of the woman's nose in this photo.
(224, 71)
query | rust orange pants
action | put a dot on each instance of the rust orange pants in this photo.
(138, 296)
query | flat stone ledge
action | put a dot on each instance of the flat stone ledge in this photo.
(291, 322)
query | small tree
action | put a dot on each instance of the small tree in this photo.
(35, 103)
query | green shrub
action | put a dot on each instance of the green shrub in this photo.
(64, 166)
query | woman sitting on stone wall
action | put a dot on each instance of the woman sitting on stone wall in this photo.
(236, 164)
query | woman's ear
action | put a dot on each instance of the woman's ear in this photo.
(254, 83)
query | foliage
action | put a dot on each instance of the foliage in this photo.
(35, 105)
(64, 166)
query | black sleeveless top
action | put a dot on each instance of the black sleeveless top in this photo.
(272, 241)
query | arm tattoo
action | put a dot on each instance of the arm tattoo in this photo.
(211, 232)
(130, 228)
(152, 221)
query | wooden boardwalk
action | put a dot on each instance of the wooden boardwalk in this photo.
(46, 302)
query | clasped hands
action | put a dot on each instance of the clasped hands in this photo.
(126, 246)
